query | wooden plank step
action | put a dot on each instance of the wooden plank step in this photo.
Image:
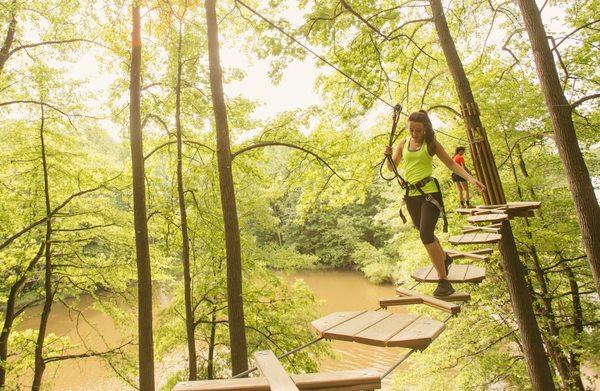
(359, 379)
(456, 273)
(479, 210)
(394, 301)
(520, 213)
(456, 296)
(418, 335)
(381, 332)
(486, 228)
(523, 205)
(495, 206)
(375, 328)
(489, 211)
(476, 238)
(333, 319)
(272, 369)
(487, 218)
(408, 300)
(474, 211)
(474, 254)
(347, 330)
(429, 300)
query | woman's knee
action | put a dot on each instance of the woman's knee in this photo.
(427, 236)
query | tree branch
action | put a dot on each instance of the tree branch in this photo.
(15, 236)
(173, 142)
(575, 31)
(89, 353)
(453, 111)
(44, 43)
(584, 99)
(276, 143)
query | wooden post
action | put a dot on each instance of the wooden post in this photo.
(237, 332)
(142, 250)
(533, 349)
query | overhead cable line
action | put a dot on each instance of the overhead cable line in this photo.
(272, 24)
(325, 61)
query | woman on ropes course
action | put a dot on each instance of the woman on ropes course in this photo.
(423, 197)
(462, 187)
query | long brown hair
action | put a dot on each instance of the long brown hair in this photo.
(422, 118)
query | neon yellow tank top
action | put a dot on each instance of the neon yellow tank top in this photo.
(417, 165)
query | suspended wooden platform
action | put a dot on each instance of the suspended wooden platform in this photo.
(478, 255)
(512, 209)
(487, 218)
(525, 205)
(361, 379)
(475, 238)
(407, 297)
(478, 211)
(380, 328)
(456, 273)
(485, 228)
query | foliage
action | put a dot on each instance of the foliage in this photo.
(309, 196)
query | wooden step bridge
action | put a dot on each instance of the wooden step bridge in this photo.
(381, 327)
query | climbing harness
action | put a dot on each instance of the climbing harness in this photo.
(406, 185)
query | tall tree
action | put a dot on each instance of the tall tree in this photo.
(536, 359)
(146, 344)
(40, 364)
(237, 332)
(185, 241)
(578, 177)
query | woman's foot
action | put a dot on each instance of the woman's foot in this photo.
(443, 289)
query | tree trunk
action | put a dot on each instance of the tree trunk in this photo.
(577, 326)
(9, 313)
(578, 177)
(559, 358)
(523, 168)
(146, 347)
(8, 40)
(235, 308)
(39, 363)
(210, 364)
(185, 242)
(535, 357)
(566, 372)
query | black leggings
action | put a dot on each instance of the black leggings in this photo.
(424, 215)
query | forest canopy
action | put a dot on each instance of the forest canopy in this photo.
(167, 167)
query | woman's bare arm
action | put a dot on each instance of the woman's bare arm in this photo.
(396, 156)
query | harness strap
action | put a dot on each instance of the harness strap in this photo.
(428, 197)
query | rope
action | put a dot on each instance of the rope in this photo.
(242, 374)
(405, 356)
(391, 140)
(291, 37)
(325, 61)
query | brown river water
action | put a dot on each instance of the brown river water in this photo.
(339, 291)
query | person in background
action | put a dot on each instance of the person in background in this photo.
(462, 186)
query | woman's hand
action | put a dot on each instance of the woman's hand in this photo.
(388, 150)
(480, 186)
